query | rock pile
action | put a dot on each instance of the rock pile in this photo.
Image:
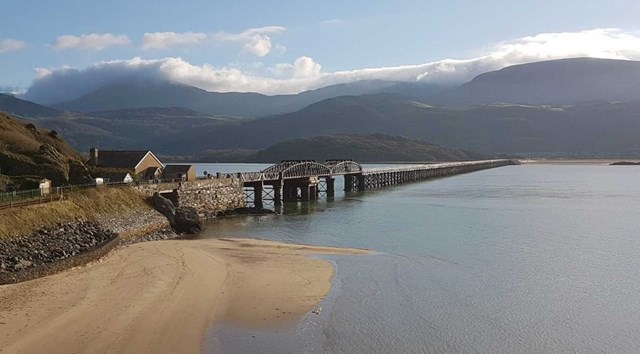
(182, 219)
(245, 211)
(50, 245)
(133, 221)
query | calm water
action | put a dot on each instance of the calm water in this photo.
(532, 258)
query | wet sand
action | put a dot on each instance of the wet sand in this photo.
(163, 297)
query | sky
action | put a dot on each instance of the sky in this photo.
(52, 51)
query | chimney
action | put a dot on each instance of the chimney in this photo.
(93, 157)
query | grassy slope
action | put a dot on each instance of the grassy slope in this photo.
(28, 151)
(89, 204)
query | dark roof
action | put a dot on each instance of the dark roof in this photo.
(177, 168)
(151, 172)
(120, 158)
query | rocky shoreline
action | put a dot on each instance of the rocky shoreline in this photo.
(51, 250)
(66, 245)
(50, 245)
(245, 211)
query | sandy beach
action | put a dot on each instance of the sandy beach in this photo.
(162, 297)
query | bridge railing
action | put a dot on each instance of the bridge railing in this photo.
(435, 166)
(309, 169)
(250, 176)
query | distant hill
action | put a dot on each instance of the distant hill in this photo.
(130, 95)
(29, 154)
(597, 113)
(589, 129)
(364, 148)
(148, 113)
(17, 107)
(556, 82)
(122, 96)
(565, 81)
(163, 129)
(586, 129)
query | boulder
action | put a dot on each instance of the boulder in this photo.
(164, 206)
(187, 220)
(182, 219)
(246, 211)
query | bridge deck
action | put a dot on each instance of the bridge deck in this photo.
(304, 169)
(307, 180)
(433, 166)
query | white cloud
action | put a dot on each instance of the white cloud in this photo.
(259, 45)
(254, 41)
(305, 73)
(11, 90)
(597, 43)
(168, 40)
(303, 67)
(11, 45)
(92, 41)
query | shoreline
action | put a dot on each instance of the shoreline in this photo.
(586, 161)
(165, 296)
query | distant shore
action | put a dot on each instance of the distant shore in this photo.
(547, 161)
(162, 297)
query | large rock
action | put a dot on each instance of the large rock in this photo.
(187, 220)
(182, 219)
(164, 206)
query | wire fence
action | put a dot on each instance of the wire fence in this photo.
(46, 195)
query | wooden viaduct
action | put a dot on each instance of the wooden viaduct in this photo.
(306, 180)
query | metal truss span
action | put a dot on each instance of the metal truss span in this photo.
(306, 180)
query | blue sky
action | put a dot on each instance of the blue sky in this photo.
(289, 46)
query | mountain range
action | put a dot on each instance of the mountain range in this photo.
(137, 94)
(569, 107)
(556, 82)
(360, 147)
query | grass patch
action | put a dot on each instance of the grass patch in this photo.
(88, 205)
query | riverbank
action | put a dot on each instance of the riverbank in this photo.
(123, 211)
(163, 296)
(42, 239)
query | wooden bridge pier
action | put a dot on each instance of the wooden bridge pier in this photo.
(330, 186)
(257, 191)
(300, 189)
(273, 193)
(379, 178)
(354, 182)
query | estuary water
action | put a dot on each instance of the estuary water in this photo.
(518, 259)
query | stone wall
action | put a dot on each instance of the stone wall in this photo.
(149, 189)
(210, 196)
(207, 196)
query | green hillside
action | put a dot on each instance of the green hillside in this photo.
(364, 148)
(29, 154)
